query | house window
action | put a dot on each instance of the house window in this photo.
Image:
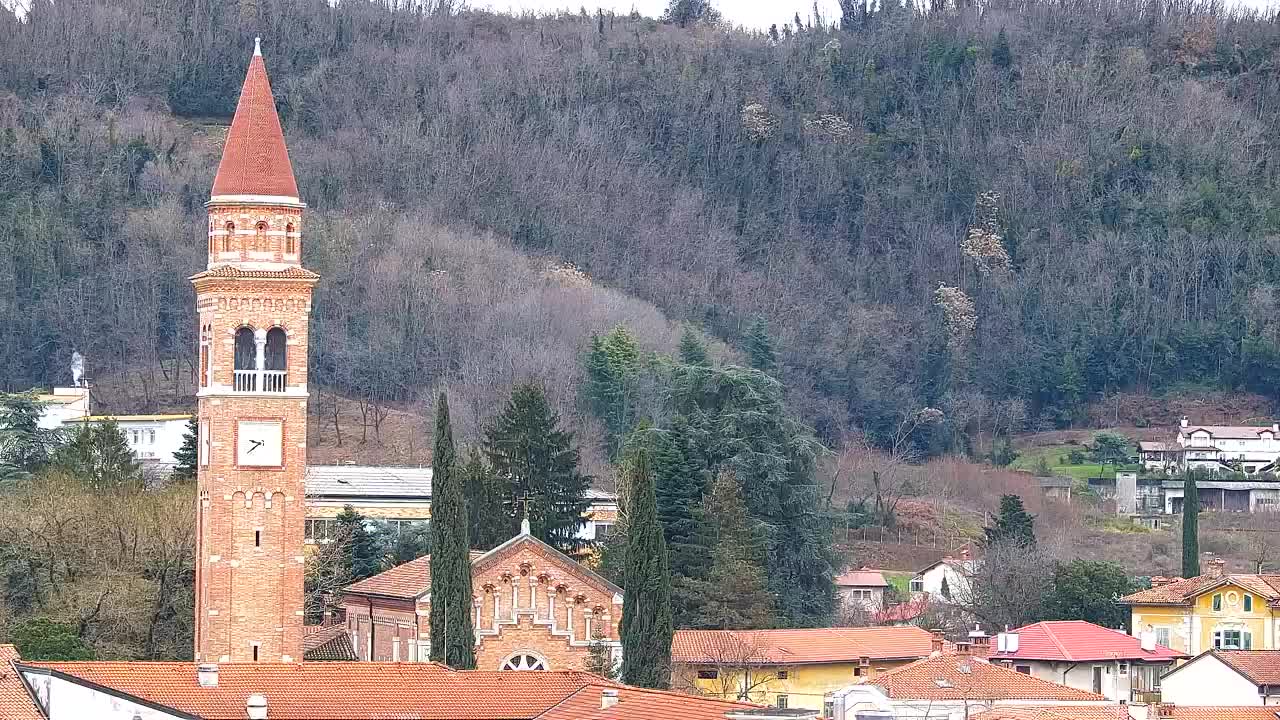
(783, 674)
(320, 530)
(917, 585)
(857, 672)
(782, 702)
(603, 531)
(1024, 669)
(1248, 603)
(1217, 602)
(828, 708)
(1124, 668)
(1162, 636)
(1232, 640)
(708, 674)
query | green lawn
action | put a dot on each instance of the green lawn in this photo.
(901, 581)
(1056, 458)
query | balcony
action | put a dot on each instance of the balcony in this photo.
(261, 381)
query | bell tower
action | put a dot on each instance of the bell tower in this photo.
(253, 302)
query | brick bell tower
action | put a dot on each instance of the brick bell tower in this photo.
(253, 302)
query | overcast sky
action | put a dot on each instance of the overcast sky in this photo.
(758, 14)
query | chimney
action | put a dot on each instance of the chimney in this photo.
(1215, 567)
(1148, 641)
(1164, 710)
(1275, 428)
(936, 642)
(256, 706)
(980, 641)
(964, 552)
(207, 675)
(608, 698)
(1158, 580)
(964, 648)
(1183, 422)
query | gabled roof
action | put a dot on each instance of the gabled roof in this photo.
(1080, 641)
(1183, 592)
(640, 704)
(1054, 712)
(1260, 667)
(327, 643)
(798, 647)
(255, 160)
(525, 538)
(333, 690)
(863, 577)
(958, 677)
(1229, 432)
(15, 703)
(904, 611)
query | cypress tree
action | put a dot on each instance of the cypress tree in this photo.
(646, 610)
(537, 467)
(452, 636)
(1013, 525)
(1190, 525)
(188, 455)
(759, 347)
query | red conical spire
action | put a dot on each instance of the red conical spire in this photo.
(255, 160)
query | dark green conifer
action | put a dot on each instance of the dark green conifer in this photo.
(489, 523)
(452, 635)
(1190, 525)
(646, 610)
(759, 347)
(1013, 525)
(692, 349)
(188, 455)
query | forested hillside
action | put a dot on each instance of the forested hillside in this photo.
(993, 210)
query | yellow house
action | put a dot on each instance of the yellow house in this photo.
(1214, 610)
(789, 668)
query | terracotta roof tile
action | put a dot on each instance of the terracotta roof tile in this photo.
(232, 271)
(335, 690)
(255, 160)
(639, 704)
(1078, 641)
(1236, 432)
(327, 643)
(864, 577)
(15, 703)
(407, 581)
(1224, 712)
(794, 647)
(1181, 592)
(944, 677)
(1262, 667)
(1055, 712)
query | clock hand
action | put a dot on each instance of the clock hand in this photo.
(256, 444)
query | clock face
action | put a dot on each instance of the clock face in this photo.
(259, 443)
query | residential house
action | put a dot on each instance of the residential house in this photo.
(1162, 711)
(1224, 495)
(949, 579)
(951, 686)
(1210, 611)
(861, 589)
(348, 690)
(790, 668)
(1231, 677)
(1217, 448)
(154, 439)
(535, 609)
(401, 496)
(1089, 657)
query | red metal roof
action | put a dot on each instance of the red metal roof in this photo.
(795, 647)
(255, 160)
(1079, 641)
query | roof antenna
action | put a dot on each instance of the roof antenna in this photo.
(257, 46)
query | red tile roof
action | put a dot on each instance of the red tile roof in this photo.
(1079, 641)
(407, 581)
(1261, 667)
(15, 703)
(231, 271)
(1055, 712)
(1222, 712)
(336, 690)
(1184, 591)
(327, 643)
(903, 612)
(795, 647)
(864, 577)
(956, 677)
(639, 704)
(254, 159)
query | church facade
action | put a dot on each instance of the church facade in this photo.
(253, 301)
(534, 608)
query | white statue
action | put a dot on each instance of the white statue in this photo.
(77, 368)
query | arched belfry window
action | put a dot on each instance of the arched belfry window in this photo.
(260, 237)
(226, 239)
(290, 243)
(246, 351)
(277, 356)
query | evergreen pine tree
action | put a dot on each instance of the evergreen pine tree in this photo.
(188, 455)
(692, 350)
(99, 454)
(759, 347)
(535, 460)
(363, 556)
(25, 447)
(612, 364)
(1013, 525)
(489, 524)
(452, 635)
(1002, 54)
(646, 610)
(1190, 525)
(801, 551)
(737, 589)
(680, 482)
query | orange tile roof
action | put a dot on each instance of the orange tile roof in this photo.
(327, 643)
(231, 271)
(640, 704)
(795, 647)
(956, 677)
(1055, 712)
(1260, 667)
(15, 703)
(1182, 592)
(407, 581)
(335, 690)
(255, 160)
(864, 577)
(1222, 712)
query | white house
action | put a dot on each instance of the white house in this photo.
(1219, 448)
(949, 579)
(1225, 677)
(154, 439)
(861, 589)
(63, 405)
